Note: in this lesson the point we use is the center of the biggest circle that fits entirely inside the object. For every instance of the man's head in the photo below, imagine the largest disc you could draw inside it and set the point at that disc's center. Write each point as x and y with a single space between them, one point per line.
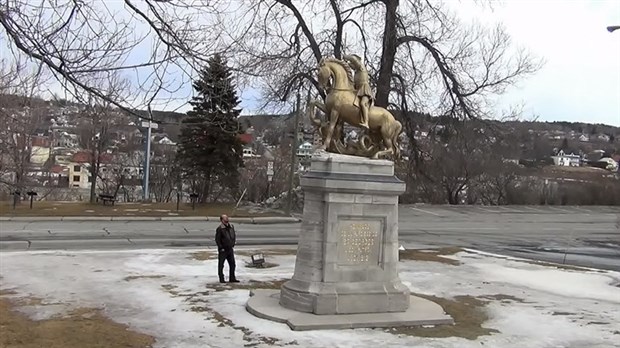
224 219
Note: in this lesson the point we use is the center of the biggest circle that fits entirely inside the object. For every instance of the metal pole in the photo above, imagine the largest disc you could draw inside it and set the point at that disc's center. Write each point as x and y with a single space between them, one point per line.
294 145
147 163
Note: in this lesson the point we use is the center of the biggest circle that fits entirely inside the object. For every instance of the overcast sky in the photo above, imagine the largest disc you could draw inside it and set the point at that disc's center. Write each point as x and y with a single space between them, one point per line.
580 80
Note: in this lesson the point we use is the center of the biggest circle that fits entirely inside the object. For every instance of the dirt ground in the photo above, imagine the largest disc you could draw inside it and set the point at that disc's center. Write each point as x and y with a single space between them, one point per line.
50 208
80 328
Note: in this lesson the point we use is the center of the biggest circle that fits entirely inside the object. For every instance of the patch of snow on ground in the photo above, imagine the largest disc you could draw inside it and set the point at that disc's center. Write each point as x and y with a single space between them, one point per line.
176 304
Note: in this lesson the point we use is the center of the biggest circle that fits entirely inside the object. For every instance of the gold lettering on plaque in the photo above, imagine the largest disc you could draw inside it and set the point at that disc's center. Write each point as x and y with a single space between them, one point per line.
358 239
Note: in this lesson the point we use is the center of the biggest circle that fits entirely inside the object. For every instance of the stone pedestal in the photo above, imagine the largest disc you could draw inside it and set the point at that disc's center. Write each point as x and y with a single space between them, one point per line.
347 257
348 247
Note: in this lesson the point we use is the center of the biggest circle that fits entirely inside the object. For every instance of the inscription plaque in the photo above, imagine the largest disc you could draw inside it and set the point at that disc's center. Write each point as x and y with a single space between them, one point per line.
359 242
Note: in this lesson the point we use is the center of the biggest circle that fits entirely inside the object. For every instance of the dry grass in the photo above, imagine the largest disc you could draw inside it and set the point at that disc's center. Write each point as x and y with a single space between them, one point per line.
468 314
204 255
503 298
128 278
50 208
250 285
81 328
434 255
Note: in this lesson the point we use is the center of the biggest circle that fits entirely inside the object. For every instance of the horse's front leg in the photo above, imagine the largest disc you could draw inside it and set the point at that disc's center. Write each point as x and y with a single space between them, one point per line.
333 119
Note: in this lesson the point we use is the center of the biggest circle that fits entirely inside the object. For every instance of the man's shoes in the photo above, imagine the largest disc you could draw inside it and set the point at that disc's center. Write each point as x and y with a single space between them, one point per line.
222 281
233 281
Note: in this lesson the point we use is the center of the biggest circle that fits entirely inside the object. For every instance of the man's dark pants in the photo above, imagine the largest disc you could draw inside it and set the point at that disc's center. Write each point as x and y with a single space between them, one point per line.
229 256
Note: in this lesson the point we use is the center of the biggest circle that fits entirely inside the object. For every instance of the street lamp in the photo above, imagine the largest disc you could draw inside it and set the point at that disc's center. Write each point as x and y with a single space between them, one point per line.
611 28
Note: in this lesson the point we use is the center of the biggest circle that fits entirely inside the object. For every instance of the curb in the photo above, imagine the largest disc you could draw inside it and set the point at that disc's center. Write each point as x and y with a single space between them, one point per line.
239 220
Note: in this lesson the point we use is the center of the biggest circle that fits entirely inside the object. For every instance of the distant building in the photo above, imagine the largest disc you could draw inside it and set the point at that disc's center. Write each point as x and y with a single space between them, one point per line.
305 150
249 152
567 160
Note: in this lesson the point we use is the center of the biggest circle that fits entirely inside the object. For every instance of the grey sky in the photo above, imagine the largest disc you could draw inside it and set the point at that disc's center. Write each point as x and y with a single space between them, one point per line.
580 80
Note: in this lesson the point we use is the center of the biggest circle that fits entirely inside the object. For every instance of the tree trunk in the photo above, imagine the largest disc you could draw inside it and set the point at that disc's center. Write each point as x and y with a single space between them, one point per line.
94 172
384 82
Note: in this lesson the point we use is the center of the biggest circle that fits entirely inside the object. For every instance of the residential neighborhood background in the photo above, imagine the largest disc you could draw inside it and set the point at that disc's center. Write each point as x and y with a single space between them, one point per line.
50 146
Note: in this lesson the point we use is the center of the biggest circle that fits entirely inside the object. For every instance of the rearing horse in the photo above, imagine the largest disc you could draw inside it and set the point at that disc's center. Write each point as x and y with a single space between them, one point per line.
336 77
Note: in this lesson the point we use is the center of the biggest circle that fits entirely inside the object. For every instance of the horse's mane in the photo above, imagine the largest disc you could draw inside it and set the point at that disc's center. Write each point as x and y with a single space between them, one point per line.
345 66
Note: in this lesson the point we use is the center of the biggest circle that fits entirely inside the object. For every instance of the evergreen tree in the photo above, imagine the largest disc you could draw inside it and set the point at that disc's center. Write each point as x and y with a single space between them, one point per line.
210 151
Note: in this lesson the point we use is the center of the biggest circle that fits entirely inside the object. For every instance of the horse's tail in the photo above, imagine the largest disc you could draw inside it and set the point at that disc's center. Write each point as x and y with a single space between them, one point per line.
398 127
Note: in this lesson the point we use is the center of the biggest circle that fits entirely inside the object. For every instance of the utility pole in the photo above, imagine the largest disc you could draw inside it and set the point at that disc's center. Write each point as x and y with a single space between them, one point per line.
291 175
147 160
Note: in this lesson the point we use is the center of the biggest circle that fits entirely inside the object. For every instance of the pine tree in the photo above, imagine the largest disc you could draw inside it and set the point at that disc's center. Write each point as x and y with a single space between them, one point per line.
210 151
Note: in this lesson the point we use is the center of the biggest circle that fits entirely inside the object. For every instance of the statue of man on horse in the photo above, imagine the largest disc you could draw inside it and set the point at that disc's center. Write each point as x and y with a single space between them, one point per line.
350 100
361 83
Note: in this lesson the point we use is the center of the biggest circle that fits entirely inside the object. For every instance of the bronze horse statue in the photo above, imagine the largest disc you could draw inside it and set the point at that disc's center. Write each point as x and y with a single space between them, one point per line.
336 77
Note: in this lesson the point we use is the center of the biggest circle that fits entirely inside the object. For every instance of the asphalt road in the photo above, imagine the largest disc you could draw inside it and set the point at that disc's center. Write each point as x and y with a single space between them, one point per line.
584 236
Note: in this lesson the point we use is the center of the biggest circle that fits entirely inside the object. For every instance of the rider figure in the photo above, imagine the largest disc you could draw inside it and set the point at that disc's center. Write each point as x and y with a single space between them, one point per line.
364 98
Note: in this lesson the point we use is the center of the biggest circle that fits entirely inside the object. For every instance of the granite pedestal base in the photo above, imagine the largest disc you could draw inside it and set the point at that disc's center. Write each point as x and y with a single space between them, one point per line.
347 253
346 272
265 304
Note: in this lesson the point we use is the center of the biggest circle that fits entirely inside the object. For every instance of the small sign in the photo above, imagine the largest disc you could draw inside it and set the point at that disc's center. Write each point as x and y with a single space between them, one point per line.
270 168
148 124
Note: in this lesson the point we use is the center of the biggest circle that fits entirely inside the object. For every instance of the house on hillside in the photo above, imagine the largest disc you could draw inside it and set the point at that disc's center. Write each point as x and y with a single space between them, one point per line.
79 173
248 152
65 139
607 163
584 138
567 159
126 135
305 150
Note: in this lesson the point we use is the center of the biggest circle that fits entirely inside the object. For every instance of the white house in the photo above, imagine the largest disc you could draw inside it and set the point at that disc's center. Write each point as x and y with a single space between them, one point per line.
568 160
584 138
249 152
305 150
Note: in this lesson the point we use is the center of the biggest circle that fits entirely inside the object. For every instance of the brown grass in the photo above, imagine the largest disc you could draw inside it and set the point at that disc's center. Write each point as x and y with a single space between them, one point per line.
51 208
431 255
468 314
81 328
128 278
204 255
250 285
503 298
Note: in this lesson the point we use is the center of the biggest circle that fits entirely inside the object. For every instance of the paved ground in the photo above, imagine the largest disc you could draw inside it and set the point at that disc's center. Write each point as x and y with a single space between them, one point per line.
585 236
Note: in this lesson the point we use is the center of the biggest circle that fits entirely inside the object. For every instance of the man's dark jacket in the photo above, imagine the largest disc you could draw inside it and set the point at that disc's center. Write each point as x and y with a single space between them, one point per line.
225 237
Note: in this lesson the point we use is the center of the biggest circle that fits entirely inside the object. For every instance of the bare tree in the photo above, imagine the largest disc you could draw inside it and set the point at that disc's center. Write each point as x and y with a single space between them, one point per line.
94 125
165 173
21 114
418 52
76 39
457 158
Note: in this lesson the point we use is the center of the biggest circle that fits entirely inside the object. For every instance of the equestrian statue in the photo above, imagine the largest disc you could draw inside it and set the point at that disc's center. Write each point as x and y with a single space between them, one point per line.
350 100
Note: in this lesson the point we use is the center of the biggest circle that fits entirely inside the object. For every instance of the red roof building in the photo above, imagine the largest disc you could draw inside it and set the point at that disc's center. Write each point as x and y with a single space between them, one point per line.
246 138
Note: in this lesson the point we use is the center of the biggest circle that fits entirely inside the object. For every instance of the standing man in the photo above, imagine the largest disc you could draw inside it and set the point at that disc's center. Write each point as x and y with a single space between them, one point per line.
225 240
